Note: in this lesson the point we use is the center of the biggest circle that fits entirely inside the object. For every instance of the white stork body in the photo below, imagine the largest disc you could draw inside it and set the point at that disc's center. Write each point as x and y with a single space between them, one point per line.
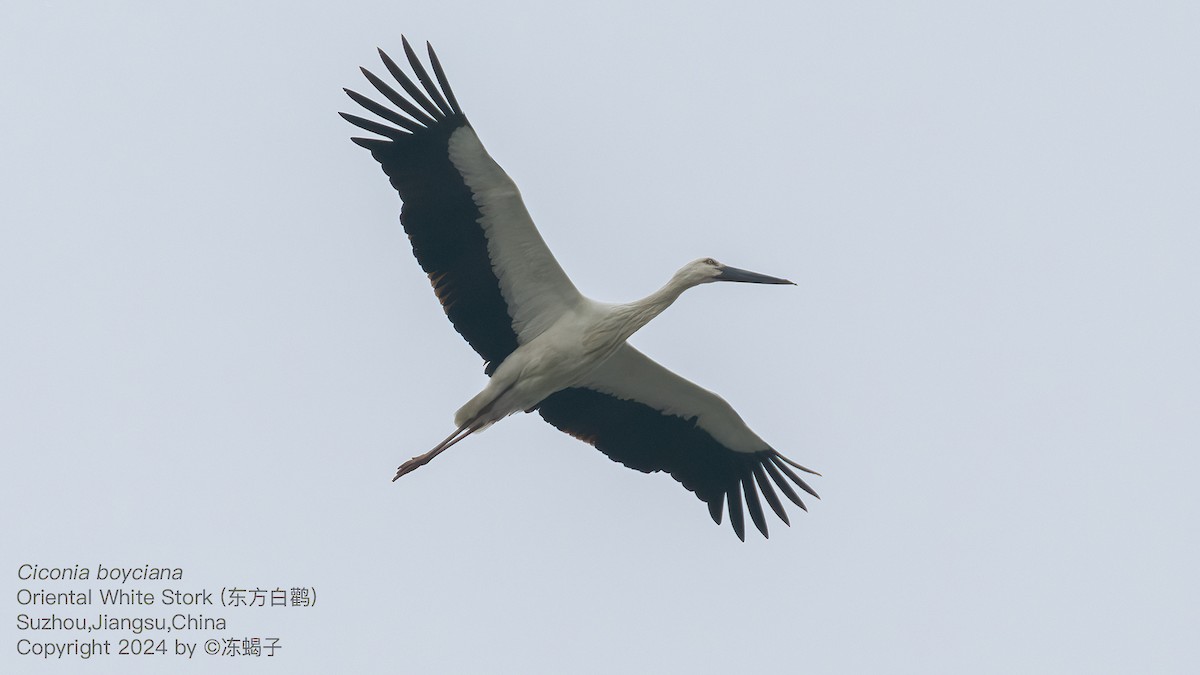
556 359
582 336
546 346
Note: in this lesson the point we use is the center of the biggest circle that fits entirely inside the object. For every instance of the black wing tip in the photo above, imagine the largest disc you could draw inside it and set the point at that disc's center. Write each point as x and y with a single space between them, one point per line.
372 144
782 461
432 101
736 517
805 469
375 127
755 485
768 492
754 505
428 105
715 473
443 81
716 508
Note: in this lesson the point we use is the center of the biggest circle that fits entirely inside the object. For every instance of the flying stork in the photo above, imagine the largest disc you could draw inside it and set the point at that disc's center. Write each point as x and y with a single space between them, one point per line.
546 347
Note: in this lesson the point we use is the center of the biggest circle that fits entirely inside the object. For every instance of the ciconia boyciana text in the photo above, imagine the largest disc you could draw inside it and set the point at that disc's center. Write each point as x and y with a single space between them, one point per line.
546 347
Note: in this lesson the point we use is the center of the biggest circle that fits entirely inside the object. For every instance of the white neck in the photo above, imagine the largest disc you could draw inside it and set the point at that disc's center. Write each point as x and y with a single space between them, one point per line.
625 320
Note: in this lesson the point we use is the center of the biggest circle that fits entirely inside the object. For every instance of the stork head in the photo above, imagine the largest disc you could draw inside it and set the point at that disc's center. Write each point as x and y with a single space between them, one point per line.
707 270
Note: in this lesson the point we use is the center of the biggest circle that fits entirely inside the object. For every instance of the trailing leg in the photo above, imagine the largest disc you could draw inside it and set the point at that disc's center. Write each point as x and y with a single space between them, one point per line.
421 460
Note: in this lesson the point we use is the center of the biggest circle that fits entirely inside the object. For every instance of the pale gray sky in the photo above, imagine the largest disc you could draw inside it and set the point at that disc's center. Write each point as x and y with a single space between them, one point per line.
218 346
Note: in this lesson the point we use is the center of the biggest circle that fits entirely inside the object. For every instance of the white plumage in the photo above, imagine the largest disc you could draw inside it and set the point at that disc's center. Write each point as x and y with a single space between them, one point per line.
546 346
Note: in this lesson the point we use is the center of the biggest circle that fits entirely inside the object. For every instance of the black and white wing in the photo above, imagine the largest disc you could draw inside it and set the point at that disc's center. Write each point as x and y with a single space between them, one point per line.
494 275
650 419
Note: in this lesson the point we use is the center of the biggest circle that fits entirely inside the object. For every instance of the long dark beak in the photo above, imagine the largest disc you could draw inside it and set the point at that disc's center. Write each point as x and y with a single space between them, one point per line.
746 276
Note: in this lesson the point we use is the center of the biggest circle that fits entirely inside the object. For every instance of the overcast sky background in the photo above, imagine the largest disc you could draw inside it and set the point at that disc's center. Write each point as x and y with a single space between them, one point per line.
217 346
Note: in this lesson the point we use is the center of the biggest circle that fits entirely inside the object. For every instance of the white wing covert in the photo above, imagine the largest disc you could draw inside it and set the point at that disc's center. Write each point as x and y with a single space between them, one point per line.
648 418
493 273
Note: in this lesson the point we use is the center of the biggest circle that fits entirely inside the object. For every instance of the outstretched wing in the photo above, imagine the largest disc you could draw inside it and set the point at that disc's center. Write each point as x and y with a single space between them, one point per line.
496 279
650 419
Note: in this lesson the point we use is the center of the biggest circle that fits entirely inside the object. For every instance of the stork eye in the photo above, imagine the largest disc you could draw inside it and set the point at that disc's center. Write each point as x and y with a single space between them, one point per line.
710 261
